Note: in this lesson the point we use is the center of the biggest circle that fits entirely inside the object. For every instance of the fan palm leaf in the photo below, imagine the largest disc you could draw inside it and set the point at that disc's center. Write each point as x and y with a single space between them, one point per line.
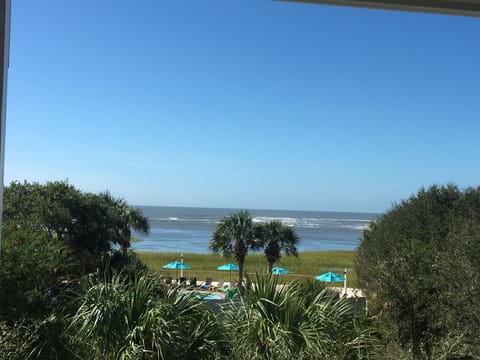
273 321
117 319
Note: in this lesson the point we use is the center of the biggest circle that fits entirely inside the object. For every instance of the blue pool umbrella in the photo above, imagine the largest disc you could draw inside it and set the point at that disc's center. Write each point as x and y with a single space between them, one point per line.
176 265
228 267
330 277
280 271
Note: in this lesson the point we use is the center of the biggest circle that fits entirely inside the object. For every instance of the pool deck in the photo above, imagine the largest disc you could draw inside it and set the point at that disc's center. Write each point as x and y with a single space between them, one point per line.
352 293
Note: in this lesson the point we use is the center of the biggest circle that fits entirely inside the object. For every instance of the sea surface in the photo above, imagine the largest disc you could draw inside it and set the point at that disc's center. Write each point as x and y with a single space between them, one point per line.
183 229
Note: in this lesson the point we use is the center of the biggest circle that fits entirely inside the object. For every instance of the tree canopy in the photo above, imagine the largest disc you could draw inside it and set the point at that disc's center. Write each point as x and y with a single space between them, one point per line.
419 265
54 233
88 224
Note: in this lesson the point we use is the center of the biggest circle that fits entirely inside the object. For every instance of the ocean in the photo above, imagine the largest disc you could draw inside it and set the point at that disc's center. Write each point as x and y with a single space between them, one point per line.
184 229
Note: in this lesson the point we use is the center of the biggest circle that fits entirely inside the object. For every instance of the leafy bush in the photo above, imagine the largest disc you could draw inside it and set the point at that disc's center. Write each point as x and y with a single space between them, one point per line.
419 265
32 274
40 340
116 262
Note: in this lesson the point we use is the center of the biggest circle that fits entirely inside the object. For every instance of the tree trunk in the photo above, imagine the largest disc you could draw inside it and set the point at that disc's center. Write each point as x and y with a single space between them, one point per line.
240 252
416 351
272 254
126 236
240 273
125 246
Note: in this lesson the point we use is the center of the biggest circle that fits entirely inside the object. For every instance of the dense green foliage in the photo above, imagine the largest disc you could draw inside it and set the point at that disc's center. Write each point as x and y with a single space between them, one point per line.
67 294
39 339
419 265
87 224
139 319
32 275
296 322
116 317
54 234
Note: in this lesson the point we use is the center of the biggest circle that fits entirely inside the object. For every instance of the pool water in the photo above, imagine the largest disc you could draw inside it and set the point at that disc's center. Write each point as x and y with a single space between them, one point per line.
209 297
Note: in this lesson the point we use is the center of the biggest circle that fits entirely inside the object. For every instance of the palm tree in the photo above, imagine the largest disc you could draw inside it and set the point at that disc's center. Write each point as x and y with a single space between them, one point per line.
278 237
235 235
126 218
132 218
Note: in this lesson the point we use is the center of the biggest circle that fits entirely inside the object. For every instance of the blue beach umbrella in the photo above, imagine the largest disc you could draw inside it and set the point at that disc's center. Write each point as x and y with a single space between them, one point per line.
228 267
177 265
280 271
330 277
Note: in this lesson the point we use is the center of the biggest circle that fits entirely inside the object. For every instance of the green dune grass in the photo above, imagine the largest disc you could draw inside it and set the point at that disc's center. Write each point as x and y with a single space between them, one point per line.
307 265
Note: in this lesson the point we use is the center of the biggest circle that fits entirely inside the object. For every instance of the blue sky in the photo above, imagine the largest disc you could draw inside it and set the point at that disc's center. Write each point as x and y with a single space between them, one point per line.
243 104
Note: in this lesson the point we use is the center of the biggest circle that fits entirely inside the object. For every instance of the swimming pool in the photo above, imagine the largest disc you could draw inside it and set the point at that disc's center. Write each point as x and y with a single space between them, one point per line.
209 296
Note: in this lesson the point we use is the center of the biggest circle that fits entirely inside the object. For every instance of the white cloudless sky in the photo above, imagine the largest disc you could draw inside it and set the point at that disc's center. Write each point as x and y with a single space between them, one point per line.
242 104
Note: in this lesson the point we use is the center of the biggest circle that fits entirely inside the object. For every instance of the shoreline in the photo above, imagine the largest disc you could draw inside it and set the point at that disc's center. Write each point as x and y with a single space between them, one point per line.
249 253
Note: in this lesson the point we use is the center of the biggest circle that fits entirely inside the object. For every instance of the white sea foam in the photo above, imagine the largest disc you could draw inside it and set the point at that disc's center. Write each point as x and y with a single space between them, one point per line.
354 224
175 229
283 220
355 227
332 220
172 218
